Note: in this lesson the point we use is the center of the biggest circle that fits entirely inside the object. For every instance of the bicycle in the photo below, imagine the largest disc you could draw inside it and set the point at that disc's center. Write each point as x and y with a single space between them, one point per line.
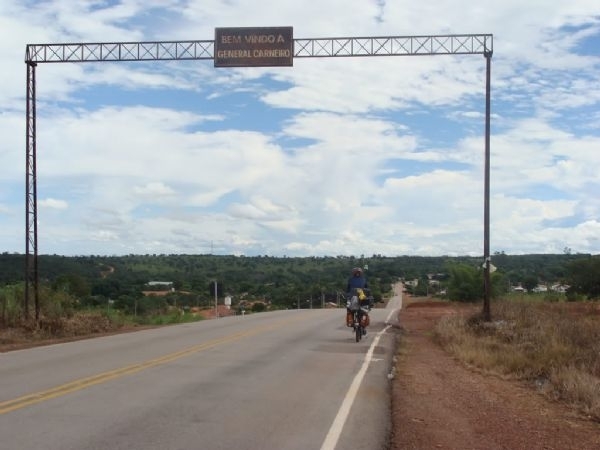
360 313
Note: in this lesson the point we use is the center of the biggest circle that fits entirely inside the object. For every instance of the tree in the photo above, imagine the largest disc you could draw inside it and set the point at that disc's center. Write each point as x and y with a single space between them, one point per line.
584 277
73 284
259 307
530 282
422 288
465 283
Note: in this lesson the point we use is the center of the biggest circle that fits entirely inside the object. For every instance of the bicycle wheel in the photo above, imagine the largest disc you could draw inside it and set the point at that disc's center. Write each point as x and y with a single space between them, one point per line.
358 332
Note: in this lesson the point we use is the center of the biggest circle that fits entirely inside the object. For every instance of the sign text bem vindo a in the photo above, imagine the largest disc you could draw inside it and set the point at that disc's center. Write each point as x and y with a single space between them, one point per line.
254 46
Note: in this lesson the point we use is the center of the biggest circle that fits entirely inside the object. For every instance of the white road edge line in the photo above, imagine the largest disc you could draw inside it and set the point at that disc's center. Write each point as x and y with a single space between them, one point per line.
392 312
340 419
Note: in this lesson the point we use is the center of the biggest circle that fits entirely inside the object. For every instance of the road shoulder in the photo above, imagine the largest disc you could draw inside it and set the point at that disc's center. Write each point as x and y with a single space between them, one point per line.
439 403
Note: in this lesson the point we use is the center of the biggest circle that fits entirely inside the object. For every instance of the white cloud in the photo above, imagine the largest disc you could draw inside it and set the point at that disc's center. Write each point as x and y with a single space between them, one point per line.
53 203
154 190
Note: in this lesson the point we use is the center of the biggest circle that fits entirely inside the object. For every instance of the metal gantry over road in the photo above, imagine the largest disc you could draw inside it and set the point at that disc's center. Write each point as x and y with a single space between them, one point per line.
246 46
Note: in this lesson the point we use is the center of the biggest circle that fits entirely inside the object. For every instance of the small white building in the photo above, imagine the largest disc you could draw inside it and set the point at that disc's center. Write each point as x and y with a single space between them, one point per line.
562 288
413 283
162 285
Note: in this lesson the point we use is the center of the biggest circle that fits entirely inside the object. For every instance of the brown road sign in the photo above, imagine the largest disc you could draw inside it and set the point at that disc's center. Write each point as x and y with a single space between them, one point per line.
254 47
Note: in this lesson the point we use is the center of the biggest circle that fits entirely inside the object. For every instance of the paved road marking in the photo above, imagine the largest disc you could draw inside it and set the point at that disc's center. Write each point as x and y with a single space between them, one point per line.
395 304
340 419
392 313
82 383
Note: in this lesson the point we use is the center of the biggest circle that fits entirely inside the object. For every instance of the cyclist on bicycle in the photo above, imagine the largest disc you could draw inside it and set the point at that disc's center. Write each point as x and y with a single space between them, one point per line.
355 287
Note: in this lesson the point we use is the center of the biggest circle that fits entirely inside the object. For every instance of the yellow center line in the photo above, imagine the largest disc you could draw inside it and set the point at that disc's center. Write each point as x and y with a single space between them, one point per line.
82 383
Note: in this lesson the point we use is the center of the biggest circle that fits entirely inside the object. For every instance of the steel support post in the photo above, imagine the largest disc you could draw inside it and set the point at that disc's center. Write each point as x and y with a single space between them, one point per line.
31 233
486 214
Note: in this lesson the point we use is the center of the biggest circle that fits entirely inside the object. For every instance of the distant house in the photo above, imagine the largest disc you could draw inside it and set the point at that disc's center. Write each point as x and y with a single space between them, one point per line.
540 288
165 284
412 283
518 288
159 286
562 288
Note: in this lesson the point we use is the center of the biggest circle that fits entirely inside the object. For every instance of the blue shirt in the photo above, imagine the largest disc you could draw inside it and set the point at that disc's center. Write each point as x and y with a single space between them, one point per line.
356 282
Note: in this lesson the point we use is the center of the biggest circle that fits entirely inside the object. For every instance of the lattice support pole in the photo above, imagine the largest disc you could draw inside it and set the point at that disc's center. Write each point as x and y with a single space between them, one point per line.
31 234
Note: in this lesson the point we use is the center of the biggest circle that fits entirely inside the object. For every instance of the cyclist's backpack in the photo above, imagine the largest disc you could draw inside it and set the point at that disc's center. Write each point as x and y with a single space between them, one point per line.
361 294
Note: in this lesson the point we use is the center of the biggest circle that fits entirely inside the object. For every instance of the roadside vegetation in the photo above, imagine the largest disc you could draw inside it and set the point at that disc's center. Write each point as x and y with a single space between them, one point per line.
85 295
551 341
63 317
90 295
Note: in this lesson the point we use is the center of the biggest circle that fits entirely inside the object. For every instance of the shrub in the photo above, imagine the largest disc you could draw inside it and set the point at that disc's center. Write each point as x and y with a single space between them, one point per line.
465 284
11 305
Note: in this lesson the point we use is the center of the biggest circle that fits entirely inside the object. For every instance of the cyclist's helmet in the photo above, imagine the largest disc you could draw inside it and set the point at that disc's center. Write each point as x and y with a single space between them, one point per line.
357 272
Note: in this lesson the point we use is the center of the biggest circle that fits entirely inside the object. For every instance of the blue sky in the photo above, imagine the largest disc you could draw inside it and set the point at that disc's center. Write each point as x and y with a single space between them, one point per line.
335 156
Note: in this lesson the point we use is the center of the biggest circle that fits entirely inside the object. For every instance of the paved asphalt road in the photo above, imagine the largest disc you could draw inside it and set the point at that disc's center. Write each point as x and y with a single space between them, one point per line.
281 380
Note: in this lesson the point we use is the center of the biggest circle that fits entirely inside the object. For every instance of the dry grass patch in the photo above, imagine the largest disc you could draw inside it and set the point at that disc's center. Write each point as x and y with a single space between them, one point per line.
56 329
555 346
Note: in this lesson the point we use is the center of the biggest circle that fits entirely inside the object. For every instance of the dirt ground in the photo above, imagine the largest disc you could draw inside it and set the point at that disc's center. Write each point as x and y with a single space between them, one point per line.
438 403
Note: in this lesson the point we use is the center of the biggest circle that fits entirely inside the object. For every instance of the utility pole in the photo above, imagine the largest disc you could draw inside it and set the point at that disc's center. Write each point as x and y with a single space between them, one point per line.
216 302
487 316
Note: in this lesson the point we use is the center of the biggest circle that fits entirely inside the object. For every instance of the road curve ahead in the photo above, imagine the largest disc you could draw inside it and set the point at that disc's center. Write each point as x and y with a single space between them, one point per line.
280 380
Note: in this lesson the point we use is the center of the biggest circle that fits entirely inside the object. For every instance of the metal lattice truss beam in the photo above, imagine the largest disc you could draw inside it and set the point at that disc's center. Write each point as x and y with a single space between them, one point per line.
120 51
395 46
456 44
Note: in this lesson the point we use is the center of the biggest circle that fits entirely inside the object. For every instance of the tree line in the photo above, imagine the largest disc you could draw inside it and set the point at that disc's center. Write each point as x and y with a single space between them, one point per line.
285 282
